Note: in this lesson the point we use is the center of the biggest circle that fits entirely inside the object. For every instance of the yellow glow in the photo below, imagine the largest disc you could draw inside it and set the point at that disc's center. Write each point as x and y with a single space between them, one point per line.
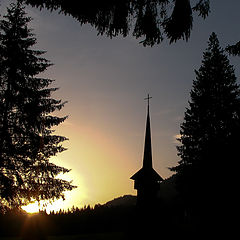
31 208
36 207
100 165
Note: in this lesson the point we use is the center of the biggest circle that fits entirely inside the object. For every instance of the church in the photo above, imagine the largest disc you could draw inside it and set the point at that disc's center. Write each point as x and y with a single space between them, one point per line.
147 180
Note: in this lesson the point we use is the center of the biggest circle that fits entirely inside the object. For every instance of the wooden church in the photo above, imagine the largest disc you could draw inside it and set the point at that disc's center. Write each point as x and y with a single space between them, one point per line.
147 180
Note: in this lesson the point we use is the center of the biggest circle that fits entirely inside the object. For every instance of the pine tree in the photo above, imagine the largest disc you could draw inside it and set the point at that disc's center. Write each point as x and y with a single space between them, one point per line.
27 140
210 132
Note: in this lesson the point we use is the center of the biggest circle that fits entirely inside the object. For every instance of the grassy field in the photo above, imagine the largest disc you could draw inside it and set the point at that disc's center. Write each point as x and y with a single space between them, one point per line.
98 236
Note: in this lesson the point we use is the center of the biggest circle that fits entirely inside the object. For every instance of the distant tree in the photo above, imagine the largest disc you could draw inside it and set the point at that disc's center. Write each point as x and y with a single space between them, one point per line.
26 136
209 141
149 18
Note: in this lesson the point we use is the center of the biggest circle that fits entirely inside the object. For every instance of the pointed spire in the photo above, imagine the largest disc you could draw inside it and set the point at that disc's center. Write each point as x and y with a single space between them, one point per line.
147 158
147 173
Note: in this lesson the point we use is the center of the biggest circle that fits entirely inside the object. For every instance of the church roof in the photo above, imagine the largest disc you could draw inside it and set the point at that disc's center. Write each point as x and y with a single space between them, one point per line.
148 174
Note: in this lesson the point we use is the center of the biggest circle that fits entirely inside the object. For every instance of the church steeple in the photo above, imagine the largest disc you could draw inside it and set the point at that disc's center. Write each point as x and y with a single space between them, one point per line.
147 157
147 180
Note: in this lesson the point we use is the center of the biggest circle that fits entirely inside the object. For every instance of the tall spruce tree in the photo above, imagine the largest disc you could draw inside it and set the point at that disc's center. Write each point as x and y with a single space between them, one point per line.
27 140
210 134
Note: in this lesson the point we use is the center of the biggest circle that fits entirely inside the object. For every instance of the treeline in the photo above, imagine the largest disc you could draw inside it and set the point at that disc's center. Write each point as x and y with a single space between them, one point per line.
73 221
100 218
158 220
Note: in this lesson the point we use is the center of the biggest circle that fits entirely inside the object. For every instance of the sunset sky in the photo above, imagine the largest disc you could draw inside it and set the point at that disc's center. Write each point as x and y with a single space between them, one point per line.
105 82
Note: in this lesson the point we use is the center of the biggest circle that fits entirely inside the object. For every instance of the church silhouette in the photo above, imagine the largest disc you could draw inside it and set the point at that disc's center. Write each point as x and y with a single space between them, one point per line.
147 180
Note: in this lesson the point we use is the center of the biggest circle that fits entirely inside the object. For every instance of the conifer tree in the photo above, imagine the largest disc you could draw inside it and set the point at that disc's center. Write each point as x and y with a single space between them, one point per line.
27 140
210 132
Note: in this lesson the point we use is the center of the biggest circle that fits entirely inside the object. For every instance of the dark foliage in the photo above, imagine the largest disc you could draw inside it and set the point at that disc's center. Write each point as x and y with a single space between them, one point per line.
164 221
180 21
147 19
126 220
26 136
167 220
206 173
75 221
234 49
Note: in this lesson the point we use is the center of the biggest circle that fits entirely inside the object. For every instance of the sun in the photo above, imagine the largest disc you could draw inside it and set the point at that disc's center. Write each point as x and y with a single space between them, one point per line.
31 208
36 207
76 197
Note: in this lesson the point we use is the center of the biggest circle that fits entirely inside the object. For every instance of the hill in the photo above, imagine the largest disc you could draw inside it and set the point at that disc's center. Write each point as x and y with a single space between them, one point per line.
126 201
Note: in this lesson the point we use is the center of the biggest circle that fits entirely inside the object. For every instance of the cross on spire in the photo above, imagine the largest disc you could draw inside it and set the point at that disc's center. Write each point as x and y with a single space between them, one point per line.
148 98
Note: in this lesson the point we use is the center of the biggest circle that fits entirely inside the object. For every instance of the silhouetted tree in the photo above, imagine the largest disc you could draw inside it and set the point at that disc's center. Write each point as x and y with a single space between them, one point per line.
210 136
26 136
150 18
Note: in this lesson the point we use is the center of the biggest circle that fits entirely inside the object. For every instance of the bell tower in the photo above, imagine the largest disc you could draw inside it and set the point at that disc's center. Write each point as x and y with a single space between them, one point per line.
147 180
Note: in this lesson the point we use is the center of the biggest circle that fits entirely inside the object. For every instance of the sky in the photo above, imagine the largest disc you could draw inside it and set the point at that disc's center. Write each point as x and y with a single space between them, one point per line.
105 82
